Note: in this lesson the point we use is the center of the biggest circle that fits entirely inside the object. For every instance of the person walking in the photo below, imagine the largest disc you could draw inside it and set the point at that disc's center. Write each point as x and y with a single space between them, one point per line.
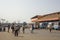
8 27
23 29
4 28
19 27
32 28
50 27
24 25
0 27
16 29
12 28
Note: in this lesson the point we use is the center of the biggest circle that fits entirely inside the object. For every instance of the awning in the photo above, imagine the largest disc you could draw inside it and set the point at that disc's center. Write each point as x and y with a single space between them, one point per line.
48 19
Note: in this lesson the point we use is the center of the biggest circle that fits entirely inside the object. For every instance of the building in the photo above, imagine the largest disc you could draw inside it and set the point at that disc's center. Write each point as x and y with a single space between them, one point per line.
52 17
35 20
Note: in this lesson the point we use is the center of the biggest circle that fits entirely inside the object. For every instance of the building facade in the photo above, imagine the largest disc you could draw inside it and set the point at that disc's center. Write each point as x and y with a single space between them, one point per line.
52 17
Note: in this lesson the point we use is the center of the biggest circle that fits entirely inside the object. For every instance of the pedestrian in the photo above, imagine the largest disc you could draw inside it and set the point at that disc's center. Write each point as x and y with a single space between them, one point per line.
16 29
50 27
4 29
1 27
12 28
32 28
8 27
24 26
23 29
19 27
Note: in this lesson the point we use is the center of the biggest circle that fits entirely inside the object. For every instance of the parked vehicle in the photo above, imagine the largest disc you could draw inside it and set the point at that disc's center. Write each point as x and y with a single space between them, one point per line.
43 25
56 26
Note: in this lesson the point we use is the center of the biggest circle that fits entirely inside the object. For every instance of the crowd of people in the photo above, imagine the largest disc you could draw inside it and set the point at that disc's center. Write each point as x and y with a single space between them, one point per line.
15 28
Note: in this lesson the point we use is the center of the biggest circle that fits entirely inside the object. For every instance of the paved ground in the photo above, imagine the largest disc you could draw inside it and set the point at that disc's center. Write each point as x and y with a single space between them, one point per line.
37 35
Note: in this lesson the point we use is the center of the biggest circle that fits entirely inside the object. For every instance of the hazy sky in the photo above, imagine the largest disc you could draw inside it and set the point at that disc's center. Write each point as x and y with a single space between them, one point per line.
23 10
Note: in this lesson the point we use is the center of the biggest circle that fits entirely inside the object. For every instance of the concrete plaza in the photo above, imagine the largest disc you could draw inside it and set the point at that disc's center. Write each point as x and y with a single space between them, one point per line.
41 34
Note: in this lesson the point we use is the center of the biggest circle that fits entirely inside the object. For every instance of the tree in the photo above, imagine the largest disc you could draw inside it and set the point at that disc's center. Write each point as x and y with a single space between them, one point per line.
24 23
3 20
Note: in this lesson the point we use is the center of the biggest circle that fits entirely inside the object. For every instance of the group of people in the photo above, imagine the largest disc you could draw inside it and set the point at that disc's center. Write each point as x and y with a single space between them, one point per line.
16 28
2 27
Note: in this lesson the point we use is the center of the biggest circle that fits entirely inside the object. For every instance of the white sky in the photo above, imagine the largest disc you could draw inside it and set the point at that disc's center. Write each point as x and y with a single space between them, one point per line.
23 10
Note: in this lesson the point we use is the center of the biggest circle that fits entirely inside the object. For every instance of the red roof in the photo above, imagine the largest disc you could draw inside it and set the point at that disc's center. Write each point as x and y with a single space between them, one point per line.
48 17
